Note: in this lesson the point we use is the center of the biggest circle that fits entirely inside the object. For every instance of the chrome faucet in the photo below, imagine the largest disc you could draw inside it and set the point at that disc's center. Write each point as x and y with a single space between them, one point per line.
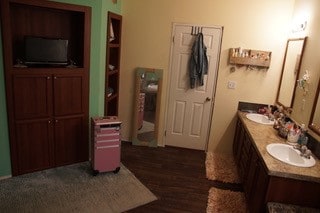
304 151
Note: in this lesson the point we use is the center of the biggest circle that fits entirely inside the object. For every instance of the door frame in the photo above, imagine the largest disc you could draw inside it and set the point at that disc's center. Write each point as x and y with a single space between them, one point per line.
174 25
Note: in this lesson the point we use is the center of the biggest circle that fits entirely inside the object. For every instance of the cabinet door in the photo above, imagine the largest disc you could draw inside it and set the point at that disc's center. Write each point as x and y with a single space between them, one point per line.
68 95
238 141
258 197
256 183
251 173
71 141
34 145
32 95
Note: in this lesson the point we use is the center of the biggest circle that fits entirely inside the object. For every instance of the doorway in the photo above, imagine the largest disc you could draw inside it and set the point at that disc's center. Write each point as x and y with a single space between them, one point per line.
189 110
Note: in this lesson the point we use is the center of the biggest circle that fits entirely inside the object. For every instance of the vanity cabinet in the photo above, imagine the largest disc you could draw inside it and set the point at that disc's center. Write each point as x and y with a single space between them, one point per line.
262 185
250 168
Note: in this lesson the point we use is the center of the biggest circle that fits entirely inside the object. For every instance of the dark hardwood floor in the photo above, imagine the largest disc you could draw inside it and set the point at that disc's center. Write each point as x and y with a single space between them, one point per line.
176 176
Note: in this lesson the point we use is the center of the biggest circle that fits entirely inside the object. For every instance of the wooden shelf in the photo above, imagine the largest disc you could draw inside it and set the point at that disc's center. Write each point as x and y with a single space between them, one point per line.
113 58
113 72
111 45
249 57
112 97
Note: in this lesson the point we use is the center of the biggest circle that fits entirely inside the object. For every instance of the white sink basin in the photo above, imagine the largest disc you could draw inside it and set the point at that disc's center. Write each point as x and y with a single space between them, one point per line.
289 155
258 118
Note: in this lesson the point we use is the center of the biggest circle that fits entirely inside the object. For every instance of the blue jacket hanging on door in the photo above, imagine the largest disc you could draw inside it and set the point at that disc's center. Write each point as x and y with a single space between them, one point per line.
198 64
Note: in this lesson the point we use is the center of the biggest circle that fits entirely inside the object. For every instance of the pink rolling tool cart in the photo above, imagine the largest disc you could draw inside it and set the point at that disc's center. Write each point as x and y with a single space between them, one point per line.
106 144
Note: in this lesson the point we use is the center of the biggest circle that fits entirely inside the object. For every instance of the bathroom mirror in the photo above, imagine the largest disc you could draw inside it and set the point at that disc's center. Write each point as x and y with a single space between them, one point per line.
314 123
148 84
290 71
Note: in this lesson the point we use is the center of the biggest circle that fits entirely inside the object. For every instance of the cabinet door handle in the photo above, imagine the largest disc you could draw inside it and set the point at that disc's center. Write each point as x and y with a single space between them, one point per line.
55 77
56 121
48 77
49 121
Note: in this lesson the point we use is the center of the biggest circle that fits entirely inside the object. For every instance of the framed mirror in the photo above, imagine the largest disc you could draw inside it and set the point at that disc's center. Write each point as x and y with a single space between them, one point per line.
290 71
314 123
148 87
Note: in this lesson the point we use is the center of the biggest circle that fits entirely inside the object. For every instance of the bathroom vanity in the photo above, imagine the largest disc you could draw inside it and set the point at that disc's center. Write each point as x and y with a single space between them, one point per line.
266 179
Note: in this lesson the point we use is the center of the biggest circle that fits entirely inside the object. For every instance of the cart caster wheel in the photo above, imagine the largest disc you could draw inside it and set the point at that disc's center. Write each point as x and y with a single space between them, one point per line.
117 170
95 172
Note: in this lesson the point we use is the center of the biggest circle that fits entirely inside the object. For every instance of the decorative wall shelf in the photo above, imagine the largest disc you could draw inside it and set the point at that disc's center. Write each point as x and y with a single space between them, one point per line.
247 57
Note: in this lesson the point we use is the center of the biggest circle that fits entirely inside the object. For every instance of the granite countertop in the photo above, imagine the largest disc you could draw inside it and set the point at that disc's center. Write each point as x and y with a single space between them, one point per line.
262 135
280 207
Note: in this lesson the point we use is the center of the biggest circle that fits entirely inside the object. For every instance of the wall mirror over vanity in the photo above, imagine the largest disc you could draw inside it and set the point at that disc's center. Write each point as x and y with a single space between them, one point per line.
289 81
148 87
290 71
314 123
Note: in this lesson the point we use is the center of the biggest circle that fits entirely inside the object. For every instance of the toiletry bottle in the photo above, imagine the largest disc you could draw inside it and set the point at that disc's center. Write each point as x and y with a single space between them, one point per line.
303 138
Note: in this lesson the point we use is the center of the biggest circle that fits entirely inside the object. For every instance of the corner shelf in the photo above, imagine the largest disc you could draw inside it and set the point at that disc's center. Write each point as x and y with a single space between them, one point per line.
113 49
247 57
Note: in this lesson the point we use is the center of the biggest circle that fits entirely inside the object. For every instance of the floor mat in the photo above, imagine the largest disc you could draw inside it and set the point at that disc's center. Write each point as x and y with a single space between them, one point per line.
226 201
221 167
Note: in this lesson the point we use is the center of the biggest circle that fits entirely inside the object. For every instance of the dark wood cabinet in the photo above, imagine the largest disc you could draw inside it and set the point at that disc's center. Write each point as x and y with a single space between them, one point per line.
113 53
33 153
68 94
32 96
48 105
259 186
71 143
251 171
256 183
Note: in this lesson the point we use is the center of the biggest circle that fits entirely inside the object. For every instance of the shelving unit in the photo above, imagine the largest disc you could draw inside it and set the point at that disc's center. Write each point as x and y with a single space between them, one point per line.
113 64
247 57
48 105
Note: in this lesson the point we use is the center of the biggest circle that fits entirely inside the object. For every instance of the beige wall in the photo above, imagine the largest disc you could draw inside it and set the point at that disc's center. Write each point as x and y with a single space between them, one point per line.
310 11
252 24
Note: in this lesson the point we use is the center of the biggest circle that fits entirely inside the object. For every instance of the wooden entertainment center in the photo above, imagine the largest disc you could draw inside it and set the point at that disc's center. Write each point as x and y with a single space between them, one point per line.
47 106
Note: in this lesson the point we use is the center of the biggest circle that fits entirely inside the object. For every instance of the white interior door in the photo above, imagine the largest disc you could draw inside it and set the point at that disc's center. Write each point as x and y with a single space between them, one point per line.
189 110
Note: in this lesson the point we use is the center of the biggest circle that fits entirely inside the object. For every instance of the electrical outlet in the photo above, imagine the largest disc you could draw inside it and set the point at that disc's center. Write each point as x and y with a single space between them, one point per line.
232 84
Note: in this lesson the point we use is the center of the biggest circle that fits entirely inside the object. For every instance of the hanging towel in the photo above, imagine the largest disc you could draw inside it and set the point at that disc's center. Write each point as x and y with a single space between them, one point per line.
198 63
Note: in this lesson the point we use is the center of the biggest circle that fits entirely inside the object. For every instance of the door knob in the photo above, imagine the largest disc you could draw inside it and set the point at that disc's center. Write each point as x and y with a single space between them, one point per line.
208 99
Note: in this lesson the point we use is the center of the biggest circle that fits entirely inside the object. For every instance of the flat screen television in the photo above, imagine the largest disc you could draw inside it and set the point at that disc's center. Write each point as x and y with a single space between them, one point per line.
45 51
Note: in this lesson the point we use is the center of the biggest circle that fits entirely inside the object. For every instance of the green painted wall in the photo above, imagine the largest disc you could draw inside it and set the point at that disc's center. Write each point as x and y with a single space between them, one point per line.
97 72
5 165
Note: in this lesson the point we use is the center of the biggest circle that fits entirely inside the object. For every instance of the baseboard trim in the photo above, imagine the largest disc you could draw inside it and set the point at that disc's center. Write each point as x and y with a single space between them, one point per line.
5 177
